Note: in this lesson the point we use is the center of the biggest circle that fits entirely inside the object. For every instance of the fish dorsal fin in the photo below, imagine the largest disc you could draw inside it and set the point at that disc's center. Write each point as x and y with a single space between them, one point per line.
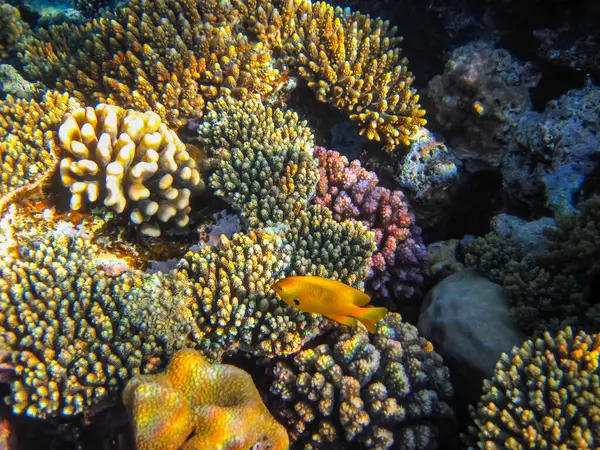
358 298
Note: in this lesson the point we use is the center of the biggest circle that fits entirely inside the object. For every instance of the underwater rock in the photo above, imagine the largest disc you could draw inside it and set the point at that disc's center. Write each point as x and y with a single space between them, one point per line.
477 100
529 235
467 317
557 150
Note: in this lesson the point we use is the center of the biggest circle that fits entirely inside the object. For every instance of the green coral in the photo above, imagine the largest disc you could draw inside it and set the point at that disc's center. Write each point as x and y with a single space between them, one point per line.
372 390
263 155
547 395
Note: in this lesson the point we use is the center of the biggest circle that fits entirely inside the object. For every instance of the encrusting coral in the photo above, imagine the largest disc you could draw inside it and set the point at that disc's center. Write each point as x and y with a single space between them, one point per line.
372 390
263 157
164 56
27 148
348 59
546 395
398 266
198 406
131 161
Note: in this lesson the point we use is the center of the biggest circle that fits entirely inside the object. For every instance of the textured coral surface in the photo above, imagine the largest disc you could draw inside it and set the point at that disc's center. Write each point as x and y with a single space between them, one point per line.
397 268
546 395
373 390
198 406
131 161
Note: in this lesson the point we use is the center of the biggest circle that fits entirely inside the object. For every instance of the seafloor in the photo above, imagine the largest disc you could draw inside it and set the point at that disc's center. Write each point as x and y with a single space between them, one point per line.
163 163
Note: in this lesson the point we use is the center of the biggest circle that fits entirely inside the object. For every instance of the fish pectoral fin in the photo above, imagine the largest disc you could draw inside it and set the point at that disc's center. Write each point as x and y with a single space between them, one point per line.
344 320
359 298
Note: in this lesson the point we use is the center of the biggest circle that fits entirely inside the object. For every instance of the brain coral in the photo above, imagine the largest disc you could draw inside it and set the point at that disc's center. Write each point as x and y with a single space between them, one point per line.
27 150
198 406
265 167
398 266
547 395
371 390
165 56
131 161
348 59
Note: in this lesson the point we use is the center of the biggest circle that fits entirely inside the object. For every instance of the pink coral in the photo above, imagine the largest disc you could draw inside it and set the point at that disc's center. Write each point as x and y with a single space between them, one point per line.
352 192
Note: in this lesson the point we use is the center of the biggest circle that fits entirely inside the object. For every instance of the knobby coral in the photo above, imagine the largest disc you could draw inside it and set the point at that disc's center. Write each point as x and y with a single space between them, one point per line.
164 56
348 59
12 28
27 148
398 266
132 162
372 390
263 158
547 395
69 343
197 405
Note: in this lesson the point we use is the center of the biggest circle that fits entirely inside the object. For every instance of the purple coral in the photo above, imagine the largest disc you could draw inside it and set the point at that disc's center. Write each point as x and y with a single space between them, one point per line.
397 267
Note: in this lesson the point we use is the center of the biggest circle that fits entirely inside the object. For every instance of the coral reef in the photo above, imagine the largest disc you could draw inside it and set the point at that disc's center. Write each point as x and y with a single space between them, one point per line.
27 149
198 405
546 395
263 158
349 60
372 391
78 326
70 346
165 56
477 101
12 28
131 162
398 266
551 288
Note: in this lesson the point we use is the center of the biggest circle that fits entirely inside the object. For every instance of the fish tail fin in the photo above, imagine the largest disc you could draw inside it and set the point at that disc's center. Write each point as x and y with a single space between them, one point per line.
370 316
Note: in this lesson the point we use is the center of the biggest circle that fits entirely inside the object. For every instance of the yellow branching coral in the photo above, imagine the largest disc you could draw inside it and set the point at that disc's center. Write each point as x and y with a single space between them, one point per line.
164 56
263 155
131 161
27 149
70 344
198 406
349 60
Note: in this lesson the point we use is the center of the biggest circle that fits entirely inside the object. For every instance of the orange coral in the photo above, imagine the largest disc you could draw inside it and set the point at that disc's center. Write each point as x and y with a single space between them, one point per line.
198 405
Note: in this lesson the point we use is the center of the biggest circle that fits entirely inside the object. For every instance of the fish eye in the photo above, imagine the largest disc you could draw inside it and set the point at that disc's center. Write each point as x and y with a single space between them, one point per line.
296 302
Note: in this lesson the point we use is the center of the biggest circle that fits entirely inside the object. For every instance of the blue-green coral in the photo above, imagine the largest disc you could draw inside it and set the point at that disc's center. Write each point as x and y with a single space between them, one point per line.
546 395
378 390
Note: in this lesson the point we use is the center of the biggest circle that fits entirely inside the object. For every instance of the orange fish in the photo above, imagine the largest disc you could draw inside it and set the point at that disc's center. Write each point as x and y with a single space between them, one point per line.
330 298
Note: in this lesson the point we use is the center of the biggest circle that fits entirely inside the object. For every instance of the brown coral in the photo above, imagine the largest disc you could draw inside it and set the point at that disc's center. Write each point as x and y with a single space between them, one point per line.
348 59
198 406
131 161
27 148
164 56
12 28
